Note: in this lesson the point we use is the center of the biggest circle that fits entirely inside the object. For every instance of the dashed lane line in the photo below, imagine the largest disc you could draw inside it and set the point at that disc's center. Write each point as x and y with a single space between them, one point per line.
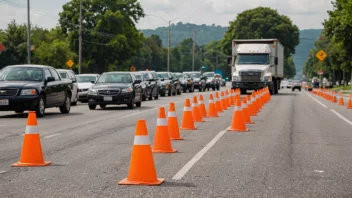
53 135
198 156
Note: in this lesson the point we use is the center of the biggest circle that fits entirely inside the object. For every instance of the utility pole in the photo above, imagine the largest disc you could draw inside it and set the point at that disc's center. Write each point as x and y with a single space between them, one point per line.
28 33
168 49
80 38
194 48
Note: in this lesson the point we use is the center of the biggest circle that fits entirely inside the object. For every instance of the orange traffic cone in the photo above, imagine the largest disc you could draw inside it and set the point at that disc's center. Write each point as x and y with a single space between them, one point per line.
341 101
162 142
195 111
349 105
142 170
172 123
238 123
227 99
255 102
246 112
187 118
250 106
32 154
222 101
232 98
202 109
218 103
212 109
238 95
334 99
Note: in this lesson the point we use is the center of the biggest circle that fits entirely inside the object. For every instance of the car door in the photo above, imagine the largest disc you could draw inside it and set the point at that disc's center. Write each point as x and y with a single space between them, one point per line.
75 85
138 90
58 88
148 85
153 84
48 88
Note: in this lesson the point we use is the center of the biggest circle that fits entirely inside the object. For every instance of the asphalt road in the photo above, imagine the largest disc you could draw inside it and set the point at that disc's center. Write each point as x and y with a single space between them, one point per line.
299 146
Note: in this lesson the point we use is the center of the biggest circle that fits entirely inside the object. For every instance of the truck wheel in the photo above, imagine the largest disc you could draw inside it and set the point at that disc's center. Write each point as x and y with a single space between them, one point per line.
102 106
65 108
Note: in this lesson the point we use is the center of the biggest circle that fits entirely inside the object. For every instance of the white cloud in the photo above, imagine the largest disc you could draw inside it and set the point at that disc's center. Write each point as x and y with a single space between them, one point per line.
304 13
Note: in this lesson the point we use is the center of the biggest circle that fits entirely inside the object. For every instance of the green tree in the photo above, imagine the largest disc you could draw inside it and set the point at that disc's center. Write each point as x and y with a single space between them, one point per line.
110 37
261 23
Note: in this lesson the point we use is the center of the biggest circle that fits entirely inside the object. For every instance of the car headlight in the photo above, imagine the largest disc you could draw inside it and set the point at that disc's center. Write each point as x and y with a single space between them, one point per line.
92 92
236 78
28 92
127 90
267 78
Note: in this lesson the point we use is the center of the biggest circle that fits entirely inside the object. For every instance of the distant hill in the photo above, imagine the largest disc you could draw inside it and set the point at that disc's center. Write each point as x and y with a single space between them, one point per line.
307 39
181 31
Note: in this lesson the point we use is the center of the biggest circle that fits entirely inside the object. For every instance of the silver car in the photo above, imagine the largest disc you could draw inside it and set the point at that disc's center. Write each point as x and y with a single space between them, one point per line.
85 81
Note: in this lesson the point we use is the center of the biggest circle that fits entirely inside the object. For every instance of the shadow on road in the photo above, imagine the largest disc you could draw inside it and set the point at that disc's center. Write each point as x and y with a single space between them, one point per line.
50 115
114 108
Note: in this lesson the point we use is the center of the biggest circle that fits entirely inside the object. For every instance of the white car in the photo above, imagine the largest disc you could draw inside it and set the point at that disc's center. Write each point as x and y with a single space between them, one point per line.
283 84
70 75
85 81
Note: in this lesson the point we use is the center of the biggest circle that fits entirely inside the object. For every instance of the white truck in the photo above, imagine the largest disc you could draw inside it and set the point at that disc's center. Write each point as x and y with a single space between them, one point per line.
257 63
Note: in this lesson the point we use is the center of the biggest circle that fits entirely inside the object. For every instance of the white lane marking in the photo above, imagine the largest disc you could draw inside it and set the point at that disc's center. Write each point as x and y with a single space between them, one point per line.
53 135
342 117
318 171
2 172
198 156
317 100
2 125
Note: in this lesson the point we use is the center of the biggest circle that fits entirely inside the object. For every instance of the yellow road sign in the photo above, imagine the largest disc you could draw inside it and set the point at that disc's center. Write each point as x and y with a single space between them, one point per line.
70 63
321 55
132 68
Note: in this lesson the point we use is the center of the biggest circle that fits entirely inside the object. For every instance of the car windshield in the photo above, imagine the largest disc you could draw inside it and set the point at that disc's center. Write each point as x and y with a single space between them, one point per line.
21 74
163 75
83 79
63 75
179 75
187 75
196 75
209 74
253 59
138 77
115 78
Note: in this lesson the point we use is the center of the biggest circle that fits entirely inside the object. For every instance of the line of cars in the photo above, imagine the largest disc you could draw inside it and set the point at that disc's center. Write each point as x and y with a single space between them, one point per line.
38 87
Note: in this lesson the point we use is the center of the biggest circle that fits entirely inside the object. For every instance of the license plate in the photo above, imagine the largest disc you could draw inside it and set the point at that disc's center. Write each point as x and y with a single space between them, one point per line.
107 98
4 102
167 86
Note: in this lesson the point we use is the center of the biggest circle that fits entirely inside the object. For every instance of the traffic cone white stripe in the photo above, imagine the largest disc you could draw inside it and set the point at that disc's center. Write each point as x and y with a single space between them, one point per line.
141 140
194 104
161 122
200 102
244 105
31 130
187 109
171 114
238 108
211 101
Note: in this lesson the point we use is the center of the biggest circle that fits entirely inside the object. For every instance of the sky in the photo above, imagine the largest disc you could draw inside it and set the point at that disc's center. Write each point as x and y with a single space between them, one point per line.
306 14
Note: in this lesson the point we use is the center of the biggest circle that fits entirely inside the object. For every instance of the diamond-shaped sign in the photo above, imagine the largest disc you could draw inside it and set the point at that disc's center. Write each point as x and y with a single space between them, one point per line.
70 63
132 68
321 55
2 47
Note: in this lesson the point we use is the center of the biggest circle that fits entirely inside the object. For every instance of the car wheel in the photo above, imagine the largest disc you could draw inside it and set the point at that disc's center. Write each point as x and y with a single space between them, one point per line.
73 103
65 108
299 89
131 104
19 112
40 109
92 106
169 93
102 106
144 97
139 104
157 94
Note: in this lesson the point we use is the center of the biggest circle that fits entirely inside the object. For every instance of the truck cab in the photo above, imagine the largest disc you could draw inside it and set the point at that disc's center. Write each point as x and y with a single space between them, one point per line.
257 64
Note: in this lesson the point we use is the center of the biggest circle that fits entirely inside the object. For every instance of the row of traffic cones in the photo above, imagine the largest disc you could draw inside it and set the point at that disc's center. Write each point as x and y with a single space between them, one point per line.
332 97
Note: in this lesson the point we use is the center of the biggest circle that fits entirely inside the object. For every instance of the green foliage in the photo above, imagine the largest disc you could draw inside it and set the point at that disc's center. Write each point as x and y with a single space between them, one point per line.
109 28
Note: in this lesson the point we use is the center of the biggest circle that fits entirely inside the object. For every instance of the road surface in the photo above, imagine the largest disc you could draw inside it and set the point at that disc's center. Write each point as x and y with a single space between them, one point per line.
299 146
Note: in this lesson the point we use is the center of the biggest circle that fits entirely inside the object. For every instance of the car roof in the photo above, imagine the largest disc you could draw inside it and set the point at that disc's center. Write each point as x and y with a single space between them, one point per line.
87 75
117 72
162 72
31 65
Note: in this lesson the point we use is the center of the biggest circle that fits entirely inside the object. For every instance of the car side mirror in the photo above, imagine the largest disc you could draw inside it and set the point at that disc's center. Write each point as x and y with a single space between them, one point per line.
74 80
137 81
162 79
93 82
50 79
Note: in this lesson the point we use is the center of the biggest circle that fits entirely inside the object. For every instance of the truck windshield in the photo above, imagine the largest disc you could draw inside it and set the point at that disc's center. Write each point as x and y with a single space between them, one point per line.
21 74
253 59
115 78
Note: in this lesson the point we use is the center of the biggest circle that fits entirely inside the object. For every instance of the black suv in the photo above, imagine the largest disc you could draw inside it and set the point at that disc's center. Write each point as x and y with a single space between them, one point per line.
169 84
296 84
34 88
146 88
115 88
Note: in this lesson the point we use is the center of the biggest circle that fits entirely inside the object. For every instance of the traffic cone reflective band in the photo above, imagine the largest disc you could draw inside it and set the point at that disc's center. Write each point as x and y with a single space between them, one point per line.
349 105
212 109
238 95
202 109
142 170
238 123
251 108
222 101
255 102
187 118
246 113
218 103
162 142
172 123
232 101
341 102
195 110
31 154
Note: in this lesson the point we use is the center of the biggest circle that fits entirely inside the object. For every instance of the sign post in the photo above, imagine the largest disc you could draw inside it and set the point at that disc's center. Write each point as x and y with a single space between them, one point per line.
321 55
